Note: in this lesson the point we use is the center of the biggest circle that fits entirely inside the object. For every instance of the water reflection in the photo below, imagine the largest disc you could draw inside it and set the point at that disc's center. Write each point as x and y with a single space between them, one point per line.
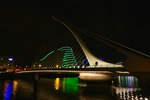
67 85
57 83
128 89
15 88
10 89
70 85
79 90
130 94
127 81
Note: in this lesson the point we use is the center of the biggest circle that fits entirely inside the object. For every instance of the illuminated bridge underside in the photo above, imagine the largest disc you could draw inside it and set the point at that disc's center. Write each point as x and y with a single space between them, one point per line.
93 60
88 75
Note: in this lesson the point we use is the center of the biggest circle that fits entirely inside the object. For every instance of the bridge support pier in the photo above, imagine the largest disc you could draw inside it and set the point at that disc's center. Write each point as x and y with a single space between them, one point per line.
35 83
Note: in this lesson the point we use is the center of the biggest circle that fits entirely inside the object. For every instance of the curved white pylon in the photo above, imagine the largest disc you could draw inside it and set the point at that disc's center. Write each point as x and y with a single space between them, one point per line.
90 57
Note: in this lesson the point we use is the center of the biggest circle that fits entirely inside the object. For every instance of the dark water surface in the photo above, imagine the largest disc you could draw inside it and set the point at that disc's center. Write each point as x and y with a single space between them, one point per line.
71 88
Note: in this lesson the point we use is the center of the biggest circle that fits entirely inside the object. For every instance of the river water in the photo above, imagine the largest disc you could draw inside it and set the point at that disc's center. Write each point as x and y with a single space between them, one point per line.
71 88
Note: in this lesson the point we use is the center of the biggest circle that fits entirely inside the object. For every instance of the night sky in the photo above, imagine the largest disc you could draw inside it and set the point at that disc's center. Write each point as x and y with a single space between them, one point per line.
26 25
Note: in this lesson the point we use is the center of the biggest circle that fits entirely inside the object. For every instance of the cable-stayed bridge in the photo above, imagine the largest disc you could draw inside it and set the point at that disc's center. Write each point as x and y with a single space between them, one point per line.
69 57
80 59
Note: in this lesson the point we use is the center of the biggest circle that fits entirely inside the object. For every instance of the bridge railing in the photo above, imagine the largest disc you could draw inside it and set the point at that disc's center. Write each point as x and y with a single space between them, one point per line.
105 66
80 67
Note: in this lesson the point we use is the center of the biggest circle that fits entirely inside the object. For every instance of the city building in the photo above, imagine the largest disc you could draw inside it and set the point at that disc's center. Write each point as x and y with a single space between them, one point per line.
6 64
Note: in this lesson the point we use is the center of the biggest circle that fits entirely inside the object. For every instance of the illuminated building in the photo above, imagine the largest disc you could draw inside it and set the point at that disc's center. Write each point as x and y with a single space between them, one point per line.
69 59
6 64
64 58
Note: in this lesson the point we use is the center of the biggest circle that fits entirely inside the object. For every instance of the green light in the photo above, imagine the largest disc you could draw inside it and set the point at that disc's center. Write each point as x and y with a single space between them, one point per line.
68 58
70 85
46 55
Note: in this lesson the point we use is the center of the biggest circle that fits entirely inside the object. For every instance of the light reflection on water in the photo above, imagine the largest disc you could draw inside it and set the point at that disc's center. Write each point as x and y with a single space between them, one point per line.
67 85
127 81
126 88
10 89
57 83
70 85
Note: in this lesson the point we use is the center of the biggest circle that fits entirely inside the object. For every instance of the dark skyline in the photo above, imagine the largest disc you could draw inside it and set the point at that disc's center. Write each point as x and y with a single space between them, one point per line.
27 26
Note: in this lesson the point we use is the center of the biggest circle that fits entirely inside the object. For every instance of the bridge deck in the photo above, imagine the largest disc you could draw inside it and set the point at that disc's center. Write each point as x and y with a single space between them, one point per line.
117 71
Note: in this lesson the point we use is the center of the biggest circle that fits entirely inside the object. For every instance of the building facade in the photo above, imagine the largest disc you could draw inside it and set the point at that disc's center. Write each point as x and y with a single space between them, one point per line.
6 64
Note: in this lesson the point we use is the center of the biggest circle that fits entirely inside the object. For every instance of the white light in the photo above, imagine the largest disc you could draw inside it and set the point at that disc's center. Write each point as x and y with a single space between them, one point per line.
10 59
146 98
95 76
123 72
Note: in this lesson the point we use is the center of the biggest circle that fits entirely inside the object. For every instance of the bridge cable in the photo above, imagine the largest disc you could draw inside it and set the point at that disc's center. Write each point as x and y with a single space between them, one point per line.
98 37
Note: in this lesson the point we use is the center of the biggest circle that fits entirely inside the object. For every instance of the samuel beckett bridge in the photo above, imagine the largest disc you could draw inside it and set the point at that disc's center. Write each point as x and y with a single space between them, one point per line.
72 59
